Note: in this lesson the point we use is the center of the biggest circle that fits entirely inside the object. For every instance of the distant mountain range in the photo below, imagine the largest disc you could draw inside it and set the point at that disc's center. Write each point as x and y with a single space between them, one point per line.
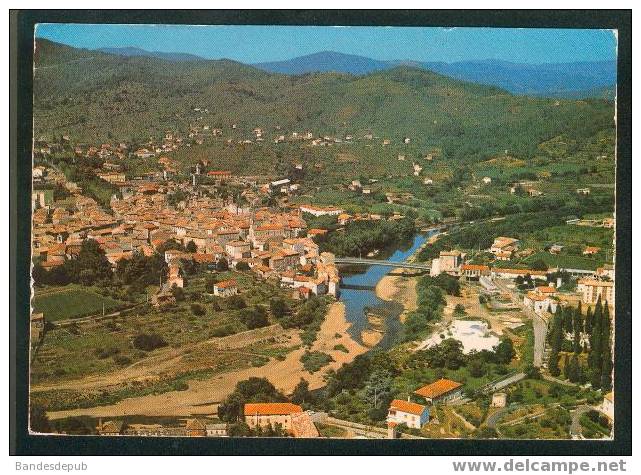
551 79
563 80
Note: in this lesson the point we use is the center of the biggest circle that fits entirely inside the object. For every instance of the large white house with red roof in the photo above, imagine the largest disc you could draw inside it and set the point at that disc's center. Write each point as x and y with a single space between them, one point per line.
410 413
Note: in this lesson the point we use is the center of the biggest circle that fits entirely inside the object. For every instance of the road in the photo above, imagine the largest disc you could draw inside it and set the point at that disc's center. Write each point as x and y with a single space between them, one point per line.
575 428
494 418
539 324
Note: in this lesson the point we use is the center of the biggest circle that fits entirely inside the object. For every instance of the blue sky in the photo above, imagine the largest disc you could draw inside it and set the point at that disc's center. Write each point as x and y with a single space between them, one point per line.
250 44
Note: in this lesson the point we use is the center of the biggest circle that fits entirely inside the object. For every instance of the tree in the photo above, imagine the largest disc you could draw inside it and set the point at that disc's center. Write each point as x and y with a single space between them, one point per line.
278 307
301 393
238 429
606 351
588 321
254 318
504 351
210 281
459 310
578 329
476 367
169 245
249 390
178 293
378 386
222 265
38 420
242 266
566 367
568 317
198 309
90 265
236 302
191 247
539 264
148 342
595 357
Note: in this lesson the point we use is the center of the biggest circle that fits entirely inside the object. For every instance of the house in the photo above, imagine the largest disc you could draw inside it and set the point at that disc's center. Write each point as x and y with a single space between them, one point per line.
265 414
512 274
237 249
556 248
592 289
440 391
474 271
605 272
487 180
110 427
219 174
499 400
583 191
316 232
225 288
216 430
607 407
448 262
320 210
410 413
196 428
503 248
539 302
591 250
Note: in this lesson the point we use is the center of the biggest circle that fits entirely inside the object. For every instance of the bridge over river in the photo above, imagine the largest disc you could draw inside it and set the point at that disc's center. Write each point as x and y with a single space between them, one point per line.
380 262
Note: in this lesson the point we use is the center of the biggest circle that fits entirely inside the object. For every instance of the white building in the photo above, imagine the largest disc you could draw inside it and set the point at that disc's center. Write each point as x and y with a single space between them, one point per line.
225 288
410 413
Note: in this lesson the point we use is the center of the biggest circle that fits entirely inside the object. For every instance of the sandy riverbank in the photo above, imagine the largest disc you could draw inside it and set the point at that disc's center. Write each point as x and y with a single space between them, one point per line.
401 289
203 396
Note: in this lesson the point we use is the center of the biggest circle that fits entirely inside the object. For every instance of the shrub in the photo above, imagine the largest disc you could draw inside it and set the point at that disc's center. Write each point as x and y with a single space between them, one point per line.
121 360
236 302
315 360
242 266
223 331
148 342
104 353
197 309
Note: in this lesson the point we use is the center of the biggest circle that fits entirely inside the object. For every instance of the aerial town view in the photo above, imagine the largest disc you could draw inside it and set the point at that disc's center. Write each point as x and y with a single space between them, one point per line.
303 241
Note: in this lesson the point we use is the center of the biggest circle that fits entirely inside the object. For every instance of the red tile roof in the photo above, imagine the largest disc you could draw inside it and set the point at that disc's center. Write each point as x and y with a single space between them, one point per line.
271 408
438 388
465 267
225 284
406 406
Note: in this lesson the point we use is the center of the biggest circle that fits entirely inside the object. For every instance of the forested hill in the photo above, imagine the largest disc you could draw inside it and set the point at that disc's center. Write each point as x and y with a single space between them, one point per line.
95 96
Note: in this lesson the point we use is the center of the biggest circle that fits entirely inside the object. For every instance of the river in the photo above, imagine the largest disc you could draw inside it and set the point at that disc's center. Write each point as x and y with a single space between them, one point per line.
358 301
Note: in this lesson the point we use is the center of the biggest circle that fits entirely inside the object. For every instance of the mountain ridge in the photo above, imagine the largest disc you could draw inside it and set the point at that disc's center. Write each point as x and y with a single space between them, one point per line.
97 97
578 79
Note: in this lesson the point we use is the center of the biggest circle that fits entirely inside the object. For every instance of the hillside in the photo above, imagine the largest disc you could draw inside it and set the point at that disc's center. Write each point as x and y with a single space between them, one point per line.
96 96
132 51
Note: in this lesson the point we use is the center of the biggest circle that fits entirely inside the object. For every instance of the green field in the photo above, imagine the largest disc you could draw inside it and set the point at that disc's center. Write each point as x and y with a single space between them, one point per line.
72 302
